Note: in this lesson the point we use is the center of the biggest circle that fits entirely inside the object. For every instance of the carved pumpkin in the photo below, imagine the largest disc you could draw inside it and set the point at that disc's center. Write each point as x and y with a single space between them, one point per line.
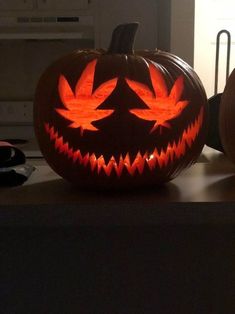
226 118
118 119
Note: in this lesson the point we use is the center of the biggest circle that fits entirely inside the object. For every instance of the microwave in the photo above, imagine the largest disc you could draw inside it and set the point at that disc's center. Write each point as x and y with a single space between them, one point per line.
34 33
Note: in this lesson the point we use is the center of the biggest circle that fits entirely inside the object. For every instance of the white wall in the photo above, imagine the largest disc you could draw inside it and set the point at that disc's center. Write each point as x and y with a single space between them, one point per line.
111 13
182 29
211 16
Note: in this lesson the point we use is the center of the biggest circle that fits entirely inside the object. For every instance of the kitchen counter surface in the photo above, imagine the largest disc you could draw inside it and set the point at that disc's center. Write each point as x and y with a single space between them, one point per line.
204 193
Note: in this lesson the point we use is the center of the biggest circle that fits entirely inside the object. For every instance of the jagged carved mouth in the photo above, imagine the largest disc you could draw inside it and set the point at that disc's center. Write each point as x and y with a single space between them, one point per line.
152 160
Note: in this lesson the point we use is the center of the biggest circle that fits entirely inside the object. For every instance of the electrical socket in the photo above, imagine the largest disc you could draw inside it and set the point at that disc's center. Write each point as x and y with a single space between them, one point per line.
16 113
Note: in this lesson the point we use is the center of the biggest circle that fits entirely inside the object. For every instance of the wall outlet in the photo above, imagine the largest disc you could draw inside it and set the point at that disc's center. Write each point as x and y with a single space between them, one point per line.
16 113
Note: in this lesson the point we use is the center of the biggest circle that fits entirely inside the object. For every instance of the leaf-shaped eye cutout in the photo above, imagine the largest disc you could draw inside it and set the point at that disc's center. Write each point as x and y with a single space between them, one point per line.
81 106
162 106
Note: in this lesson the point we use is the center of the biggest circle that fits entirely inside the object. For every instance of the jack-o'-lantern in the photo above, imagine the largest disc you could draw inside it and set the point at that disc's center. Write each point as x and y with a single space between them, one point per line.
117 118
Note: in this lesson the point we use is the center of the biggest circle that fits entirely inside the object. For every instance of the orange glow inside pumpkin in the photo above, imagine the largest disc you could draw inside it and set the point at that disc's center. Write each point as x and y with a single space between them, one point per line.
80 107
151 159
162 107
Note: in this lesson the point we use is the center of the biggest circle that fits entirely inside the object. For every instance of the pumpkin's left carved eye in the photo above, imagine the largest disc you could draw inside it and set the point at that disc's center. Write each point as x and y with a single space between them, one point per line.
162 107
80 108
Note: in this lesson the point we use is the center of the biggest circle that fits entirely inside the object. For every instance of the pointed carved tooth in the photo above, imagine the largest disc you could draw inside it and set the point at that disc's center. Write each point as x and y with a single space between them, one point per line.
77 156
70 153
156 153
146 156
166 159
139 162
59 142
85 159
52 133
180 149
100 163
138 155
151 160
113 160
140 166
189 141
160 160
170 151
64 148
174 149
93 162
119 166
152 163
127 160
130 167
163 159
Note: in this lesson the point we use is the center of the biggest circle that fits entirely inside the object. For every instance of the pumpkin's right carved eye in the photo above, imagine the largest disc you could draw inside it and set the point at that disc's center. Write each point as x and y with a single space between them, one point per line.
162 107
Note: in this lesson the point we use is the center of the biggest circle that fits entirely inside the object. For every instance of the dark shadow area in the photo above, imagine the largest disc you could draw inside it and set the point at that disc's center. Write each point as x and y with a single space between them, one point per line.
221 189
127 270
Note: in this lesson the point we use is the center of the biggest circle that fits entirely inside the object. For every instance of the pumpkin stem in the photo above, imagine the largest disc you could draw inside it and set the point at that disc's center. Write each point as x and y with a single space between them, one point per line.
123 38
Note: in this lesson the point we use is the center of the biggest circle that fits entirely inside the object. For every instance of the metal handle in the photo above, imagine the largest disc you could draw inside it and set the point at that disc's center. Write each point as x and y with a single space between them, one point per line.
223 31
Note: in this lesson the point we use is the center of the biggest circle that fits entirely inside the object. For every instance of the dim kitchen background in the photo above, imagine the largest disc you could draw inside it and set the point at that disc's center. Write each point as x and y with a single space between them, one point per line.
33 33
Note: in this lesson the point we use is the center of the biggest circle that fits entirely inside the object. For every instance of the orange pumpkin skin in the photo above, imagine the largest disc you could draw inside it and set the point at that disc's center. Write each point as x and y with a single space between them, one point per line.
226 118
118 119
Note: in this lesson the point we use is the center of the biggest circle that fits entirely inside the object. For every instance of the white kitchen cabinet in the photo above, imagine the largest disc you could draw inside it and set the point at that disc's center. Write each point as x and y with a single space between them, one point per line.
62 4
16 5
